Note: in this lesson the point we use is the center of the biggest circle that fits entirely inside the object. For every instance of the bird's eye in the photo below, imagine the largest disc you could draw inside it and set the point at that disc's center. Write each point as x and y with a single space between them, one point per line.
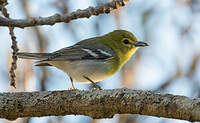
126 41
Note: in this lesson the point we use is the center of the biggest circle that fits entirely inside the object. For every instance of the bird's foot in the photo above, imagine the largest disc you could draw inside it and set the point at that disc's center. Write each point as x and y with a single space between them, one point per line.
72 87
94 86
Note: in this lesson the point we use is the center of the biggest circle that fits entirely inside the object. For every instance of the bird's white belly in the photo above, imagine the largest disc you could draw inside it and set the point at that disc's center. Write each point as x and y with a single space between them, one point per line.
95 70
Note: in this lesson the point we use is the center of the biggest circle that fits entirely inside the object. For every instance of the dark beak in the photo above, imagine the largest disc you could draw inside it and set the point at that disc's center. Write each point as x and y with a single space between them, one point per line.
141 44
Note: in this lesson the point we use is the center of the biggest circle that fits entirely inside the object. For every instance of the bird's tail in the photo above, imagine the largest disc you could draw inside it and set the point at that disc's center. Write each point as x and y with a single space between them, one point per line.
36 56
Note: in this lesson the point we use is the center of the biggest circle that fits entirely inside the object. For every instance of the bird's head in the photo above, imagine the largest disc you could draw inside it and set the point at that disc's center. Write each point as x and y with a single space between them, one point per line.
124 43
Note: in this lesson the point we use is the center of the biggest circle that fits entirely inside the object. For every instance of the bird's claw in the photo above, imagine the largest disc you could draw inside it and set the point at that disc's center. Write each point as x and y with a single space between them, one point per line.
95 86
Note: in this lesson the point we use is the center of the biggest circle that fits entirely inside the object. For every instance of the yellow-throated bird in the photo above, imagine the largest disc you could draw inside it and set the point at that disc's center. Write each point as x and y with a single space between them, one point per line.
93 59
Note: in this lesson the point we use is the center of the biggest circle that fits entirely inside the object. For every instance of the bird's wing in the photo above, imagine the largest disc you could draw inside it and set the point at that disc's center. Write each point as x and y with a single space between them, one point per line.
78 52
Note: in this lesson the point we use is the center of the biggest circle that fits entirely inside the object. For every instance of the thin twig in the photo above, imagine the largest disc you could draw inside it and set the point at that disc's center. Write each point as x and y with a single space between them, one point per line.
14 48
56 18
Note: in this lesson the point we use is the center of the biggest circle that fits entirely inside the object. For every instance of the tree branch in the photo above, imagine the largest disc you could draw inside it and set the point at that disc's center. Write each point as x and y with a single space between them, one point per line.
98 104
56 18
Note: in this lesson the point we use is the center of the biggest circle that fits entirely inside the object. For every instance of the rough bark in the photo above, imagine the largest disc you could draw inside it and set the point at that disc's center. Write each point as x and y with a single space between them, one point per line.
56 18
98 104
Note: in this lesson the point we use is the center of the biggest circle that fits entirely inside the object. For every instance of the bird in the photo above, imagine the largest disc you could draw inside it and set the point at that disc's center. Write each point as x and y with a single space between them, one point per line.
93 59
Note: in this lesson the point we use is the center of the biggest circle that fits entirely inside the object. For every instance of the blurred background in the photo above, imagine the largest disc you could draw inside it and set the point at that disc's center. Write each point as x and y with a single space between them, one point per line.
171 64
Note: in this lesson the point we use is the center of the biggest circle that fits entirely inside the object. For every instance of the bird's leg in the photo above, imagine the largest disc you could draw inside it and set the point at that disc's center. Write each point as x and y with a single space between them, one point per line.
72 88
94 85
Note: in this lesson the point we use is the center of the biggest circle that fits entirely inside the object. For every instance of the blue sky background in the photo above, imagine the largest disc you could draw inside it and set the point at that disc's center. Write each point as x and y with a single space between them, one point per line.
171 27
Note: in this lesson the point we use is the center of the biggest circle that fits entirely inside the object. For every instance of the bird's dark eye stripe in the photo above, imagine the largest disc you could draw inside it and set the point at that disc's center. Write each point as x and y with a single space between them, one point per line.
126 41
